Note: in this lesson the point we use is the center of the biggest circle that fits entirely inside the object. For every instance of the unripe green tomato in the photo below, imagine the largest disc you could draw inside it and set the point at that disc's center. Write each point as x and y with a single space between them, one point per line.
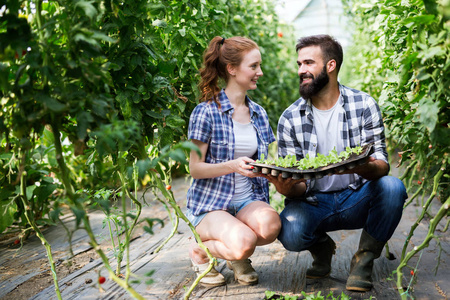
237 18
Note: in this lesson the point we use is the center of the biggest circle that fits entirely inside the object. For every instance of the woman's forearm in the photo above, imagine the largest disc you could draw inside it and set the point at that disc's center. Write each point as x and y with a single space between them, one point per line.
202 170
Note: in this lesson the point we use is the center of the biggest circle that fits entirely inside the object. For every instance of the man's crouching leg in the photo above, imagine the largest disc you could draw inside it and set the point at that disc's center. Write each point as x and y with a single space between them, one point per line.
369 249
384 216
298 226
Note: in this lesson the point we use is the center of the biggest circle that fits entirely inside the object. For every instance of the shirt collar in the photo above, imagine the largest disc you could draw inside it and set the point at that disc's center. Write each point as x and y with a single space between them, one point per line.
226 106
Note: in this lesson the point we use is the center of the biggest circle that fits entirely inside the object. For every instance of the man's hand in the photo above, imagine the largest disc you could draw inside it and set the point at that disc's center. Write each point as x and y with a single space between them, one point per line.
372 169
288 187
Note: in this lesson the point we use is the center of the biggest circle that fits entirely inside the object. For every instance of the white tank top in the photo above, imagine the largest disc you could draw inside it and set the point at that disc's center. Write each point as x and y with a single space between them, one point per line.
329 137
245 144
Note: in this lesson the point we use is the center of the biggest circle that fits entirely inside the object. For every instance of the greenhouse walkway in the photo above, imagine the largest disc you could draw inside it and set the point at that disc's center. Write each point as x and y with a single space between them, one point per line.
25 274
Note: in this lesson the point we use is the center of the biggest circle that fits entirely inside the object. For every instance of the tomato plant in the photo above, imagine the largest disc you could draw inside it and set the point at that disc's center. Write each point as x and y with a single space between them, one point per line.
97 94
403 60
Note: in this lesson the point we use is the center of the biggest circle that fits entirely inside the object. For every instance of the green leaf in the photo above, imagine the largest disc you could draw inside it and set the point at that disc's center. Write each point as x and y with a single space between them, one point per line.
422 19
51 103
159 82
154 114
103 37
427 113
156 8
178 155
105 205
54 214
142 167
151 222
30 190
174 121
4 71
7 210
83 37
87 7
44 191
192 146
168 66
160 23
83 124
79 214
182 31
432 52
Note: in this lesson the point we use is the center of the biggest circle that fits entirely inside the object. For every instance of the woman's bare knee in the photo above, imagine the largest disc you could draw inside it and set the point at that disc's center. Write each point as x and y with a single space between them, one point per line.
244 245
271 230
263 220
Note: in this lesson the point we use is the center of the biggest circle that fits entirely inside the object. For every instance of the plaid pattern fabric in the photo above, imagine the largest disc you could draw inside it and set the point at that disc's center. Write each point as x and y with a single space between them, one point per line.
361 124
214 126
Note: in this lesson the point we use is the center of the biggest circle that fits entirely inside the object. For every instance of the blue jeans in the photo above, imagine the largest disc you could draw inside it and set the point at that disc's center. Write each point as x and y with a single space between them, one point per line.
376 206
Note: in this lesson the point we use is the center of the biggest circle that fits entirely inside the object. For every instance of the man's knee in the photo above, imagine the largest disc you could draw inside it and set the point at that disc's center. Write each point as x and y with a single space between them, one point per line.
292 235
395 191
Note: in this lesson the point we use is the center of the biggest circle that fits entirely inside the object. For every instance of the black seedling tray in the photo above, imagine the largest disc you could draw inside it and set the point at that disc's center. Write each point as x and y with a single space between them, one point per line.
317 173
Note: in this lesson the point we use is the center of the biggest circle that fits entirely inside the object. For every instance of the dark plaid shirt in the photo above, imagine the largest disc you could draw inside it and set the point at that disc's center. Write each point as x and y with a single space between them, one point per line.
361 123
214 126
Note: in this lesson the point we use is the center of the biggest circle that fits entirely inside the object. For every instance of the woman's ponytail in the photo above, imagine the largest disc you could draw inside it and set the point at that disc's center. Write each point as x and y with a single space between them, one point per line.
220 53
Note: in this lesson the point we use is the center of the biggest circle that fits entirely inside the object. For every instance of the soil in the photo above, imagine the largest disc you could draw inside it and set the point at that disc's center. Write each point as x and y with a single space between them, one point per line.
64 265
37 283
24 270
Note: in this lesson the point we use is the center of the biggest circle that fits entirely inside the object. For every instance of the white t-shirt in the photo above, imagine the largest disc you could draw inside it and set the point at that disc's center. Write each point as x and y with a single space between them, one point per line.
245 144
329 137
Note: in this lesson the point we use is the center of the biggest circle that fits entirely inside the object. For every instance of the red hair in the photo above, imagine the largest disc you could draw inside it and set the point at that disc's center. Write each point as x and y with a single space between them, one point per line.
220 53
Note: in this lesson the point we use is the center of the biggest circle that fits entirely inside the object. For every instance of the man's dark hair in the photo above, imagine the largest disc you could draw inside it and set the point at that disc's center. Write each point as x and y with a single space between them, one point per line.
331 49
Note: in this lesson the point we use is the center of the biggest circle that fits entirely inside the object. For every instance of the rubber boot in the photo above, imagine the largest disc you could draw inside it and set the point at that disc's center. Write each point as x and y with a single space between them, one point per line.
322 252
360 278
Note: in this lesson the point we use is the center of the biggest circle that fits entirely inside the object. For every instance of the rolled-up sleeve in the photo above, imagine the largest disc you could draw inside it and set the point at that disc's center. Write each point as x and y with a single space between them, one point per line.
200 124
373 129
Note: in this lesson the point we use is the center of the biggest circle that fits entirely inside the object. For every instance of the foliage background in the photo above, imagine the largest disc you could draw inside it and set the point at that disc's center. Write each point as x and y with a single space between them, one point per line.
402 58
115 82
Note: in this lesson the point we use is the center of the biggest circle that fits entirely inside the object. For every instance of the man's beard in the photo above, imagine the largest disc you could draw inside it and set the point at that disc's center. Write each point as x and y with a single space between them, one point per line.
316 85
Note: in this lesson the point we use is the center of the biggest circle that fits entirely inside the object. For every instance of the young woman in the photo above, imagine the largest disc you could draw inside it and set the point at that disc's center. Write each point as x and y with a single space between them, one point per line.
227 202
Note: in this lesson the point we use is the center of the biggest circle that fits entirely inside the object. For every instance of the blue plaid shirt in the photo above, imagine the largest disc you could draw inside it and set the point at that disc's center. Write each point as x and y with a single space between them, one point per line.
214 126
361 124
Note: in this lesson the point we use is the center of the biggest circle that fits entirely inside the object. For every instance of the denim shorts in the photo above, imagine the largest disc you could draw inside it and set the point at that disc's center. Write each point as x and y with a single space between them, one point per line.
233 208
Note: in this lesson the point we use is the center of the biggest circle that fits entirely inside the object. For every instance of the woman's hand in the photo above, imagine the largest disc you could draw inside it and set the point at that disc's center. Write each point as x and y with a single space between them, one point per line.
200 170
241 165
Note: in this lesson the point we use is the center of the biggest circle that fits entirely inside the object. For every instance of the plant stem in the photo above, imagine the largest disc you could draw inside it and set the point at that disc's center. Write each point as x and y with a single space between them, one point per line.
174 230
69 235
129 232
28 214
432 227
180 214
87 226
413 196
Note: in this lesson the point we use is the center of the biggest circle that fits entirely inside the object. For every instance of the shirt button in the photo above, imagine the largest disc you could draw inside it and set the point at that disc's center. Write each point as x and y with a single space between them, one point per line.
314 145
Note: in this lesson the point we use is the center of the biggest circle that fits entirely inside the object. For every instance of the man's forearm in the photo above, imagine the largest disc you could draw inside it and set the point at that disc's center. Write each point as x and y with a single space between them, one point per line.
373 170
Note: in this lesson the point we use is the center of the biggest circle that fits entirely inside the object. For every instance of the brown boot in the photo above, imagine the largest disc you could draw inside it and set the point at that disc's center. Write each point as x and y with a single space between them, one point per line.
243 271
322 252
212 278
360 278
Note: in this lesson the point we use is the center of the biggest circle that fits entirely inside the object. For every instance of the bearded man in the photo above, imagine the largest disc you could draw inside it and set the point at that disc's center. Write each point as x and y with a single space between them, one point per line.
332 116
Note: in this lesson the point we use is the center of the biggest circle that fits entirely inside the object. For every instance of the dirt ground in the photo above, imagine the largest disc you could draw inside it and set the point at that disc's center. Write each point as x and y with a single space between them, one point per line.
15 265
25 274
